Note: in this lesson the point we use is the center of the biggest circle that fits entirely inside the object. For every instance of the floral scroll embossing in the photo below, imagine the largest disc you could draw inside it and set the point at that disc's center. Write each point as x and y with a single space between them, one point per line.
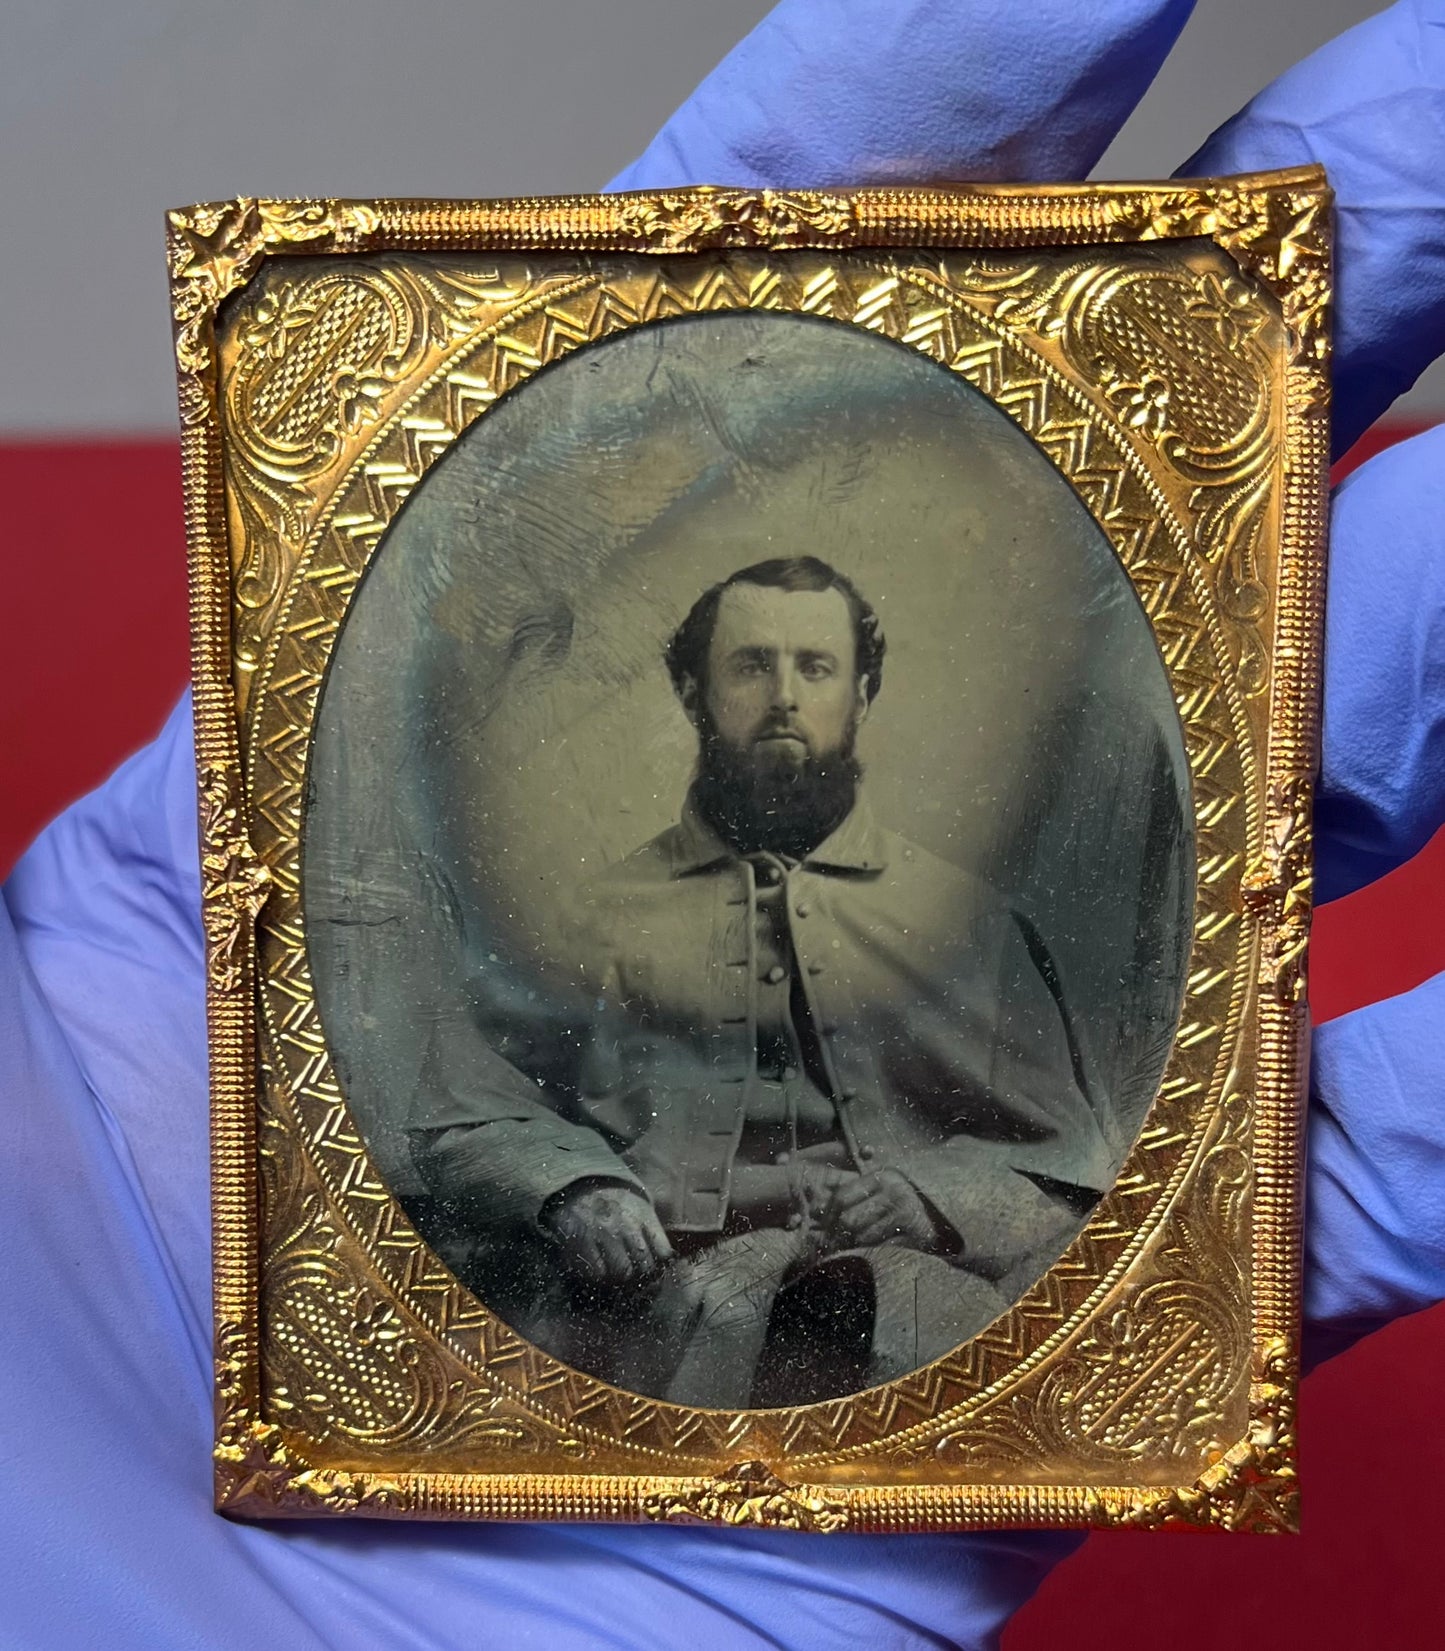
748 1494
1277 235
216 247
235 885
1254 1485
256 1470
736 218
1279 888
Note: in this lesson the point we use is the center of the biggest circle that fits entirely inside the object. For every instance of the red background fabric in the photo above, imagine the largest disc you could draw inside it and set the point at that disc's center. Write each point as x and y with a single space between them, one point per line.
94 656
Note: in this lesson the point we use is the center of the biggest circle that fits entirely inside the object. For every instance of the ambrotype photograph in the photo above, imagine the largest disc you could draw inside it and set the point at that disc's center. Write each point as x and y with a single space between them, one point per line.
747 860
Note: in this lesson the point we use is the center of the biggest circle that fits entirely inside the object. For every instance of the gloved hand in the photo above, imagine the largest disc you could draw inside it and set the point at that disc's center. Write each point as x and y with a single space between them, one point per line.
104 1294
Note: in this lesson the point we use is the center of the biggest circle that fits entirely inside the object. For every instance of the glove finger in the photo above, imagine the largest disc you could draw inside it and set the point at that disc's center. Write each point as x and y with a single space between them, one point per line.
1370 106
1375 1239
892 91
1382 781
106 904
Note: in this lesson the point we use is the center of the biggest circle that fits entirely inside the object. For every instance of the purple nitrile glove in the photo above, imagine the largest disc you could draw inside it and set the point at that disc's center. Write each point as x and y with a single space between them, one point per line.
1371 106
106 1524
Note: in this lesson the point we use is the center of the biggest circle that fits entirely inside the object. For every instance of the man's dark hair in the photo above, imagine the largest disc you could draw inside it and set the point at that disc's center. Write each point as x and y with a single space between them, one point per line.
687 652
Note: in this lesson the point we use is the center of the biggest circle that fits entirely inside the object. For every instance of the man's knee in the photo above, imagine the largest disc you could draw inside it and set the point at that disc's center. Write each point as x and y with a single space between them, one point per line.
715 1304
820 1335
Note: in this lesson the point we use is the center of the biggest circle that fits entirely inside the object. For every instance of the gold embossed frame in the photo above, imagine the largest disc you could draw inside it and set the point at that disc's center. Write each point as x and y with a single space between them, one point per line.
1166 348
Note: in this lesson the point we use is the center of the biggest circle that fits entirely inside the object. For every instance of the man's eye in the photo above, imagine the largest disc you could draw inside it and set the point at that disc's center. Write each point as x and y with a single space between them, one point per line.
751 667
816 669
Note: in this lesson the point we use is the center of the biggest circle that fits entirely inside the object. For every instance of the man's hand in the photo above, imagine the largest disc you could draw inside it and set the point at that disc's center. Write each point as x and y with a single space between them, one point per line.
884 1207
608 1232
822 1187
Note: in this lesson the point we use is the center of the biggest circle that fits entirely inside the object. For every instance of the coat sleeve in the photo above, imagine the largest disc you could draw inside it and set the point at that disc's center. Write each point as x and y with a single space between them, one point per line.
490 1134
1025 1155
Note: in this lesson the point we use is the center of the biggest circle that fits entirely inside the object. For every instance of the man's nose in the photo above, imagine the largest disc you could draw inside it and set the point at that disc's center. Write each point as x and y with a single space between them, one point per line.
785 686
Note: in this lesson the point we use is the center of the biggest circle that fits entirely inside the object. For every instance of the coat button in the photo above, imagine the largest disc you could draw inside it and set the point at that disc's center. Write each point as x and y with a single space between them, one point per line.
783 1158
848 1095
794 1222
804 910
815 968
790 1073
865 1153
775 974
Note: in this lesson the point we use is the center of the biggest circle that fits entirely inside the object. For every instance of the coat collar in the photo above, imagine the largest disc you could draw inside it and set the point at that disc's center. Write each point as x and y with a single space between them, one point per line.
858 845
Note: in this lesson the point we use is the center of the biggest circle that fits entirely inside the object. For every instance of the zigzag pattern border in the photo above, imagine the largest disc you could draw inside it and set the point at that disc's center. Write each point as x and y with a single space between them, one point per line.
317 599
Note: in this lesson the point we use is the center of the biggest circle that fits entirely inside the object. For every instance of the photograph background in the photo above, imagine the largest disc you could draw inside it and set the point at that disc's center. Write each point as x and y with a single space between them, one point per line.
497 724
113 110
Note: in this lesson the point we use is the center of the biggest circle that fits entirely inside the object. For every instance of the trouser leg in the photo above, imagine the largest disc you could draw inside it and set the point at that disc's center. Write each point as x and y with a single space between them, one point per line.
924 1307
700 1340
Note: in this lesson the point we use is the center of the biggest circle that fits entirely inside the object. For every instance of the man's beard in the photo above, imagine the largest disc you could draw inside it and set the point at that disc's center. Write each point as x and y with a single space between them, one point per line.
762 802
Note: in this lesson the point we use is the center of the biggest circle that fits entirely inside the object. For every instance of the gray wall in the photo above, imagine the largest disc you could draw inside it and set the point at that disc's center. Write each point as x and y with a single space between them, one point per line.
113 110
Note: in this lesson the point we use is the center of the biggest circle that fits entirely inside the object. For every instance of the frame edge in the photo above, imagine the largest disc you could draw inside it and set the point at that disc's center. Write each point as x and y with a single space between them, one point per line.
1275 226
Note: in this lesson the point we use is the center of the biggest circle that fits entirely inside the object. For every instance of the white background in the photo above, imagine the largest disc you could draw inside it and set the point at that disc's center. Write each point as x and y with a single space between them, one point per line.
113 110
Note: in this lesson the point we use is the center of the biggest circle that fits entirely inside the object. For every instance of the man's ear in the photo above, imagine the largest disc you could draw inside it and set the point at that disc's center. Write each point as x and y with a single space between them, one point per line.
688 695
863 700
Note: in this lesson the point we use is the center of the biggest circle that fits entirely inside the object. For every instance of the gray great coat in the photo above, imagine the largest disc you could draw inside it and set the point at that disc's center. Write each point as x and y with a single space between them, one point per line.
946 1039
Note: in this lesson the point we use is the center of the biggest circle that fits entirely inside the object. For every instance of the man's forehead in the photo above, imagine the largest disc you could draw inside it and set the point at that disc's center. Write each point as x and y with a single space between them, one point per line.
764 616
